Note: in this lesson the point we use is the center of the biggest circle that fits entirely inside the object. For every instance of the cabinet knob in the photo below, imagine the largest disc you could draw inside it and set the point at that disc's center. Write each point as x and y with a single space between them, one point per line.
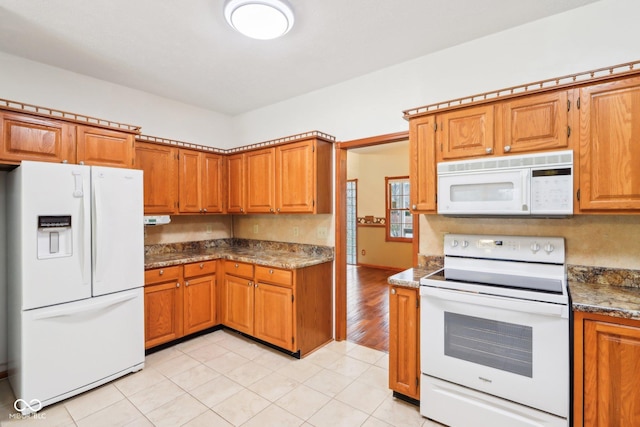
161 272
236 265
270 271
249 283
393 291
507 148
241 209
178 285
81 163
204 210
65 161
186 283
278 209
201 265
256 285
489 150
414 207
270 209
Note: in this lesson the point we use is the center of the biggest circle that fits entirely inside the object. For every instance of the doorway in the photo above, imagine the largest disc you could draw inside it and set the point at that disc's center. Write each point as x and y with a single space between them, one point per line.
352 302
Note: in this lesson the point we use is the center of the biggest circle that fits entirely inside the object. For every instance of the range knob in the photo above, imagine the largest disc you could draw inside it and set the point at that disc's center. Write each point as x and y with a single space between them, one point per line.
454 243
535 247
548 248
465 244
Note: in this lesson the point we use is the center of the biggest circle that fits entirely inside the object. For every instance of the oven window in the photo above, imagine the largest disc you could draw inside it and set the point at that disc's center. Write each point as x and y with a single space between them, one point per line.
500 345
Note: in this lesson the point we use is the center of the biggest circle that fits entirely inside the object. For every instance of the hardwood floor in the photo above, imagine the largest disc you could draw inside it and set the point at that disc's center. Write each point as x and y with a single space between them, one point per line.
368 306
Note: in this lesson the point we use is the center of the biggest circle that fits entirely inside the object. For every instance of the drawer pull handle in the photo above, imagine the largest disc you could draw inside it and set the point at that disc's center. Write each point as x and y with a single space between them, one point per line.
393 291
201 265
270 271
161 272
236 265
178 285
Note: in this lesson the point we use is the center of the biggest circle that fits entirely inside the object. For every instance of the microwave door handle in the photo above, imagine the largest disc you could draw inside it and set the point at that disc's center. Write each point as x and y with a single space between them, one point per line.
525 181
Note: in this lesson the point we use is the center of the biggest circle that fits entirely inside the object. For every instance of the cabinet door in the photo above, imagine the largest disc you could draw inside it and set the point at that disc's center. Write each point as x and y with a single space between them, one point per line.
160 166
212 183
609 146
235 184
611 374
466 133
274 315
404 356
162 313
535 123
199 303
31 138
422 138
238 304
295 177
189 174
103 147
260 180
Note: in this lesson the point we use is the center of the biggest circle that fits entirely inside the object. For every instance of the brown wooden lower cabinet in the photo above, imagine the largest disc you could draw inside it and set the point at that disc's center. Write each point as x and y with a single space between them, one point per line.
606 371
291 309
179 301
404 341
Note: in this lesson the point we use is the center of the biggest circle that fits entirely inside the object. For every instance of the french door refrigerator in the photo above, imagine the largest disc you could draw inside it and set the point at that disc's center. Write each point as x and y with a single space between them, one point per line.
75 279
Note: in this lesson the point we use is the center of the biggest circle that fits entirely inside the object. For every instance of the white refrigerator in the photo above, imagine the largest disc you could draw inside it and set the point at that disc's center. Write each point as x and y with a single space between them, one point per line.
75 279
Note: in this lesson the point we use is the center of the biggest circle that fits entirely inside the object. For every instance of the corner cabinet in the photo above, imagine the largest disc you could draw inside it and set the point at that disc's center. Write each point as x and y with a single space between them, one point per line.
610 146
291 309
235 183
607 371
179 301
404 341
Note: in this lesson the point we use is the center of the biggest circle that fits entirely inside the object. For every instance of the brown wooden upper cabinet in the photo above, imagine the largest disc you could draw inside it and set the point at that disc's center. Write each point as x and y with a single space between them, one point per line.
466 133
534 123
27 137
200 177
104 147
610 146
160 166
303 177
289 178
260 180
235 184
422 172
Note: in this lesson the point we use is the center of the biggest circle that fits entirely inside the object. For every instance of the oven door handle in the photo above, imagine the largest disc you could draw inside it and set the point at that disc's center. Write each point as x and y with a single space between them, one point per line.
511 304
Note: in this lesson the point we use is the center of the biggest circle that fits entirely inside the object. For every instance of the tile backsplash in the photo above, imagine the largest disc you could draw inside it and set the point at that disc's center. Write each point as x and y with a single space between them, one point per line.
188 228
591 240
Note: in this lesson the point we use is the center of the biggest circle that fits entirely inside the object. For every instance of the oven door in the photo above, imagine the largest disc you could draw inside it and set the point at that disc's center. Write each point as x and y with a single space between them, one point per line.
513 349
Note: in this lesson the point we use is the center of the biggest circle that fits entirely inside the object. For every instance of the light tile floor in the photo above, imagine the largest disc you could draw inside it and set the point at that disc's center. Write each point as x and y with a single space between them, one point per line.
223 379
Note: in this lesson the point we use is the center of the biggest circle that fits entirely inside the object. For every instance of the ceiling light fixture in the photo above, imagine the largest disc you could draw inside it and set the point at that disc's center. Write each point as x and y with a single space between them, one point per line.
259 19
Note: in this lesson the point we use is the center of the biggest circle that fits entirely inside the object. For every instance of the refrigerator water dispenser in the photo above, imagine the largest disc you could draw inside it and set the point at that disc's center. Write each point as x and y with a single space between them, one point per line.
54 236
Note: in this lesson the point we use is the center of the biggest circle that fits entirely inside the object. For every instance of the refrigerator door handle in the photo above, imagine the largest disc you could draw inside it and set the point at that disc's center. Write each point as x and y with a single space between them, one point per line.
79 190
79 309
96 230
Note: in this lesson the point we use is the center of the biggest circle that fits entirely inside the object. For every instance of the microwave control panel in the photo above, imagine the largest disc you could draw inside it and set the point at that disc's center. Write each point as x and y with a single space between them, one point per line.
552 191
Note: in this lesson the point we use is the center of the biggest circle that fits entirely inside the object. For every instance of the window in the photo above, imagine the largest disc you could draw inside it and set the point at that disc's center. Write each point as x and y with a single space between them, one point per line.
399 220
352 204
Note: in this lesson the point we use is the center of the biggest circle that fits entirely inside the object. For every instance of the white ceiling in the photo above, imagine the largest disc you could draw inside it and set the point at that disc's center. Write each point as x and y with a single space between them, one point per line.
184 50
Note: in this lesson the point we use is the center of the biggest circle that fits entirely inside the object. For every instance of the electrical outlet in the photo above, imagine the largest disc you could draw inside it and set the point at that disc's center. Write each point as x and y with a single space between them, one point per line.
322 232
209 229
296 231
255 229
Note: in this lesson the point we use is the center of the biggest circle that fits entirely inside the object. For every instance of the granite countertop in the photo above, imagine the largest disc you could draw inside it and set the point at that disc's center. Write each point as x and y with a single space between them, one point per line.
288 257
611 292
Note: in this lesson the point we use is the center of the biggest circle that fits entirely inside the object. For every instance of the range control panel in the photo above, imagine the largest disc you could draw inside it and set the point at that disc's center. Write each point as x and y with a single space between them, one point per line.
508 248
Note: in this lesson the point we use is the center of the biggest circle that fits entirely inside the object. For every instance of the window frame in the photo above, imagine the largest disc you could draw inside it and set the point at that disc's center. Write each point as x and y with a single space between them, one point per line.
388 180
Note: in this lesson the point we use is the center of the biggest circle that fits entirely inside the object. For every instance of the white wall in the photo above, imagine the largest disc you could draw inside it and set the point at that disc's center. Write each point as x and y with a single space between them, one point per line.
598 35
34 83
3 277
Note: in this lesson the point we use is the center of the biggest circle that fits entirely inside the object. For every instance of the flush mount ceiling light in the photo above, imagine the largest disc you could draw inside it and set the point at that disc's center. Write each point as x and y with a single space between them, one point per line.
259 19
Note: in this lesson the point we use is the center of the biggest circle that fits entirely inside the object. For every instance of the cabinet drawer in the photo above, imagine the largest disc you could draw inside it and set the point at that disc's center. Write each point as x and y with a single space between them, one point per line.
199 268
239 269
274 275
159 275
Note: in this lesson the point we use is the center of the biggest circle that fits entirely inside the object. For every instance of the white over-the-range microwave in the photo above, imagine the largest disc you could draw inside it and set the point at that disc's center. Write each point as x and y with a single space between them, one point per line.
532 184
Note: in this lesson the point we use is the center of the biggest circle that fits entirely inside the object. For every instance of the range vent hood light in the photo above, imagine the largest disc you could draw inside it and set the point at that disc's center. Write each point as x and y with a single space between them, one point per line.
259 19
157 220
